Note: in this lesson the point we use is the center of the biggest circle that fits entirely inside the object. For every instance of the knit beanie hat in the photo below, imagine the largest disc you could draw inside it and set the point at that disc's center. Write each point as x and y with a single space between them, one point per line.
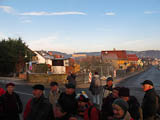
10 84
123 104
82 96
109 79
124 92
117 88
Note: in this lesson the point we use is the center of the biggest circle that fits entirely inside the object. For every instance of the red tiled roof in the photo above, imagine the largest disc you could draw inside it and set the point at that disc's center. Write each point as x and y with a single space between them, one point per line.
132 57
121 54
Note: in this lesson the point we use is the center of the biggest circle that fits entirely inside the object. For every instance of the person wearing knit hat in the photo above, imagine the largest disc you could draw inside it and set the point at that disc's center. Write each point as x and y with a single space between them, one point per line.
86 110
83 101
120 110
124 93
10 84
107 110
134 106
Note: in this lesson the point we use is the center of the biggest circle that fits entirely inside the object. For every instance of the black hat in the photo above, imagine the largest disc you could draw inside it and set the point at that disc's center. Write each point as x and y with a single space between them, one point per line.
147 82
10 84
38 86
70 85
123 104
109 79
96 73
124 92
53 84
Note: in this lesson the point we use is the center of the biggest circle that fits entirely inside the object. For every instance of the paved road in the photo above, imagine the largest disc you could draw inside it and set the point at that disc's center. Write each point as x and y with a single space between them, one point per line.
133 83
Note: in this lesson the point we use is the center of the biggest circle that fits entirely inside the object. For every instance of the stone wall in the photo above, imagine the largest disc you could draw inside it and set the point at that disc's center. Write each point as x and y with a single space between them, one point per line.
46 78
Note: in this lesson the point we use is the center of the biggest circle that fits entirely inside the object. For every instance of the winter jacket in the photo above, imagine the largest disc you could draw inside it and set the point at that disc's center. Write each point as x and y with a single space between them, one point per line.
38 109
107 91
72 79
2 91
68 103
107 110
91 113
11 106
134 108
53 97
65 117
95 90
149 104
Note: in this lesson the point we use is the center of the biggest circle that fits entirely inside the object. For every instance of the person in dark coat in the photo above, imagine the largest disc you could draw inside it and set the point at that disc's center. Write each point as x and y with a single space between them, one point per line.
10 104
134 106
38 107
107 110
149 100
71 78
67 98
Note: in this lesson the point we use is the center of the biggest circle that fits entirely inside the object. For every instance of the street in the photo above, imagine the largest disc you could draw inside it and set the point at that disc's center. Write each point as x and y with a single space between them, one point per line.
134 85
25 91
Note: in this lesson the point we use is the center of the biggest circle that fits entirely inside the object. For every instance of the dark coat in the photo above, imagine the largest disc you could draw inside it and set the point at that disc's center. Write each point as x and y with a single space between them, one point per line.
134 108
72 79
65 117
68 103
107 109
39 109
10 106
149 104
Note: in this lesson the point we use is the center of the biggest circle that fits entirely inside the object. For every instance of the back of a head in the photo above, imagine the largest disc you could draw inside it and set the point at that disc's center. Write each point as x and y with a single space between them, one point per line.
124 92
96 73
109 79
123 104
53 84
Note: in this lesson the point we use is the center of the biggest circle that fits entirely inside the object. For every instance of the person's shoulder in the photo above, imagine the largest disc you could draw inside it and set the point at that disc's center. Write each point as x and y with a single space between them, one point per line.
62 94
45 100
16 94
105 86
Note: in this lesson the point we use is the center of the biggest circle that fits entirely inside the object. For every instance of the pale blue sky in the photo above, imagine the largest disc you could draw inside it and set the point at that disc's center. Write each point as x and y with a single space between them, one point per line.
82 25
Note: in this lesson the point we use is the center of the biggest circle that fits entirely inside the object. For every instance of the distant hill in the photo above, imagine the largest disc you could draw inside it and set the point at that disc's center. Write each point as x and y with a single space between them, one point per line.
148 53
61 53
90 53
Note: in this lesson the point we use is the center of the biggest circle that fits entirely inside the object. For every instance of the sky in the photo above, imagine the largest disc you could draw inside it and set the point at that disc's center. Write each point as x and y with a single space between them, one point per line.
82 25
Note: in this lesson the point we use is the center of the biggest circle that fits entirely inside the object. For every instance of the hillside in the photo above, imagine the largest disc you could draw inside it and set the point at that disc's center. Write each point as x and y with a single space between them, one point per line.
148 53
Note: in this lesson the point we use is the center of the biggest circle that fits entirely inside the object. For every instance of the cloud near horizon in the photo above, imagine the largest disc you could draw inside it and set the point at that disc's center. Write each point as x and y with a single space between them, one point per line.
110 13
51 13
151 12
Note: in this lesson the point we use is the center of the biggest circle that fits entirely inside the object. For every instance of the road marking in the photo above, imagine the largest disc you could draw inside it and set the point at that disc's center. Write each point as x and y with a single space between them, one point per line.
24 93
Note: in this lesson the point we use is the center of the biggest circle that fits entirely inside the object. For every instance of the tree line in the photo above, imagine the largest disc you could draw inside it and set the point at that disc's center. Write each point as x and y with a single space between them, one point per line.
14 53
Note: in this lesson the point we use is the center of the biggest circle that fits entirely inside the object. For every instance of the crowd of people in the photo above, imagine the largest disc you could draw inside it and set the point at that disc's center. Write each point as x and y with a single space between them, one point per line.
117 103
